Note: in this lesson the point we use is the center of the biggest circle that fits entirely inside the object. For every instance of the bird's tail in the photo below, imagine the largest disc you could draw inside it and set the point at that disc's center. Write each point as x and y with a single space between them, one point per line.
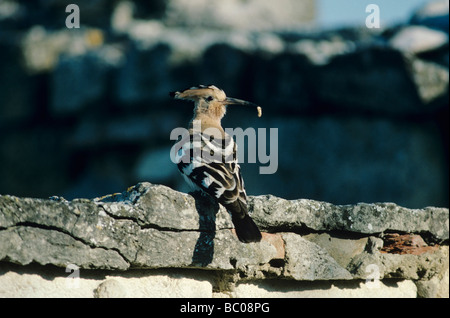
246 229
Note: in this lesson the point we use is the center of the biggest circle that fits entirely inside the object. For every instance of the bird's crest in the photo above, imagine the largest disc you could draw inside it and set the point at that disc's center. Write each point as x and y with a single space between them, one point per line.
201 91
211 93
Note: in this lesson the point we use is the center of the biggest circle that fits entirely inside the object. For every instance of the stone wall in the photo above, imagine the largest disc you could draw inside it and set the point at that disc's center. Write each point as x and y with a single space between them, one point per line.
152 241
362 115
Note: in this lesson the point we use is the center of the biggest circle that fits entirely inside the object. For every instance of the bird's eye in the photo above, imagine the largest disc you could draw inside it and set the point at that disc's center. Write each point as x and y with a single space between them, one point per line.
209 98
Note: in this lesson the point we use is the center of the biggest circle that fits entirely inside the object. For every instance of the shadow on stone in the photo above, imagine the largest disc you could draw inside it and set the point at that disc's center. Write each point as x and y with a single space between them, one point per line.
207 209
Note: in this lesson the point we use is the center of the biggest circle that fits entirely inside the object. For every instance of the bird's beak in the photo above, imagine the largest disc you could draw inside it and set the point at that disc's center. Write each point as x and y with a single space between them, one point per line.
235 101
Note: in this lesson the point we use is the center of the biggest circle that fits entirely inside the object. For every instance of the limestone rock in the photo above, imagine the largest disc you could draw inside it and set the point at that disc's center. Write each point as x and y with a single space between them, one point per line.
417 39
406 73
323 289
110 288
307 261
153 226
433 14
277 213
27 244
340 249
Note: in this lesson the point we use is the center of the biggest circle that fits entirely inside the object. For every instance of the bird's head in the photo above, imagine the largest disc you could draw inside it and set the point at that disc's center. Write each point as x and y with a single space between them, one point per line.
210 101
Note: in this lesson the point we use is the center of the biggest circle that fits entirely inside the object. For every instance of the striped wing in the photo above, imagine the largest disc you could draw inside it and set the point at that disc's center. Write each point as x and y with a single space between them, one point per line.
211 164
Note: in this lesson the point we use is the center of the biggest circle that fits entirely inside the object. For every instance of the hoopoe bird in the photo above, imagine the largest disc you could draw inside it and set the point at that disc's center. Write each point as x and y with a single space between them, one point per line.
207 157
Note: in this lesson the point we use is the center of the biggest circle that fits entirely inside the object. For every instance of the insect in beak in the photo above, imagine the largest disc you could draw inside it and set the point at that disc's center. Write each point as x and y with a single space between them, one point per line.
235 101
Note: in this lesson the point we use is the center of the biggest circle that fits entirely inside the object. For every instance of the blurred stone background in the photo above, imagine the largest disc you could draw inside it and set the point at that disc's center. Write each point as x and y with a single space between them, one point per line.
362 113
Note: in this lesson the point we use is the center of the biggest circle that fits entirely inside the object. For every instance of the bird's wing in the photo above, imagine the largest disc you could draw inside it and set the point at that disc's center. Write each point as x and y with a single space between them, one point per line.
211 164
